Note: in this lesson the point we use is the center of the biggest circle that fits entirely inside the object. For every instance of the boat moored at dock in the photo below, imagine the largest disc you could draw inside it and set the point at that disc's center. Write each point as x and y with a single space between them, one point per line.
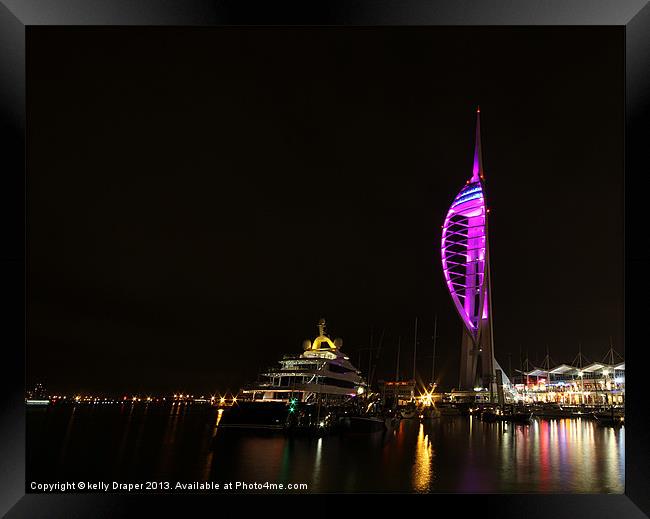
304 393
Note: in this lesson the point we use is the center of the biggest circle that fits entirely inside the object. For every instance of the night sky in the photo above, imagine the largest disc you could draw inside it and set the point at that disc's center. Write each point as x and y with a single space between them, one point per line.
198 198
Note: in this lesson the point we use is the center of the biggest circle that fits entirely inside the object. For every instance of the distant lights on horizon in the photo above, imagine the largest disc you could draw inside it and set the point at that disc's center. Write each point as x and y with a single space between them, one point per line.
142 398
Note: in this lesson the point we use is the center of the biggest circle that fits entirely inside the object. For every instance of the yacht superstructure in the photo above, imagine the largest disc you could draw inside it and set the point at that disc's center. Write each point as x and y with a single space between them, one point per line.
321 373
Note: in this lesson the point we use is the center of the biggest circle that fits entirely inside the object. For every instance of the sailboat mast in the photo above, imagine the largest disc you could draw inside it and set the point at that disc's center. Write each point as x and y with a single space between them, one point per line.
399 344
370 360
433 362
415 346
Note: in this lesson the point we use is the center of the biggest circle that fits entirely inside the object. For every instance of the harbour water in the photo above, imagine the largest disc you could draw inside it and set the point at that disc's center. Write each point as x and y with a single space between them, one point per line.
138 442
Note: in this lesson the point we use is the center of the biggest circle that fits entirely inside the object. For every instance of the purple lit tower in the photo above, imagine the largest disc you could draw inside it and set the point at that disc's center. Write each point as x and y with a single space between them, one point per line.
466 266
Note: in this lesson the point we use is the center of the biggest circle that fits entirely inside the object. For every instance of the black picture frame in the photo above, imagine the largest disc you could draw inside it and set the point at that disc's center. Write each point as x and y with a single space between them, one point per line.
16 16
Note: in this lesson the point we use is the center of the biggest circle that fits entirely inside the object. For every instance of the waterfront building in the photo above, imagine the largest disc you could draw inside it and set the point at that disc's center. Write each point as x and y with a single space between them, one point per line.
595 384
396 393
477 396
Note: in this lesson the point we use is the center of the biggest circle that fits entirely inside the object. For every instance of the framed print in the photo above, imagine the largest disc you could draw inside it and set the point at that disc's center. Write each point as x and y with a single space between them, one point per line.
356 248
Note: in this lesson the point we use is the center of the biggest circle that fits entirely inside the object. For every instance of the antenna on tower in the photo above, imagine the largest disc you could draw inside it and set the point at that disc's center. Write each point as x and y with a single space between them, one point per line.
477 167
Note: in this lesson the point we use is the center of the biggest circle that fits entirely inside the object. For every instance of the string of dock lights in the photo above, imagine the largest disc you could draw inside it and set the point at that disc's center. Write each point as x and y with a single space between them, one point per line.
217 399
177 398
225 400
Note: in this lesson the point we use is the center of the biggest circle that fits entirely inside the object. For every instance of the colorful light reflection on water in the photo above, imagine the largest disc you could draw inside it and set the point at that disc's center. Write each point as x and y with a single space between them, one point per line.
450 454
423 467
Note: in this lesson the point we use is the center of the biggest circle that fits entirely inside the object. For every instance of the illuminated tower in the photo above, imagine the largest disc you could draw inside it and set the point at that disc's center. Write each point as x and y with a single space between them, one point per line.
466 265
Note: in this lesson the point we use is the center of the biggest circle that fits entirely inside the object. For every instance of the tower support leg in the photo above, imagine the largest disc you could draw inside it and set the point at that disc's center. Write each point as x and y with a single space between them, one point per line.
468 363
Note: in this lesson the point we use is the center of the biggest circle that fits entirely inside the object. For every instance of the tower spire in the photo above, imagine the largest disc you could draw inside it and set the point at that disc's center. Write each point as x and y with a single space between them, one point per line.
477 168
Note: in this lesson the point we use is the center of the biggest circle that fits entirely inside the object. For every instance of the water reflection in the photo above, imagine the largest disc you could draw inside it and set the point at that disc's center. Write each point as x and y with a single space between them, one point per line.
317 462
207 466
450 454
125 434
66 438
168 439
422 467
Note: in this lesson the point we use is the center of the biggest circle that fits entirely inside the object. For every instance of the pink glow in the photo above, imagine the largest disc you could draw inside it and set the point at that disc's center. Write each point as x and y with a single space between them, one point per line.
463 247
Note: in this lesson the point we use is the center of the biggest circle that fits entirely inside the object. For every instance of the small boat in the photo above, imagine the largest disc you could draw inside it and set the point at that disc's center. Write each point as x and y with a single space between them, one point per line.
410 411
36 402
552 411
429 413
491 416
609 419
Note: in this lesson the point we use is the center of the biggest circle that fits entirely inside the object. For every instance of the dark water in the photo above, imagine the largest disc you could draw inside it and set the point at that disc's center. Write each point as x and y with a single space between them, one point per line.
451 454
